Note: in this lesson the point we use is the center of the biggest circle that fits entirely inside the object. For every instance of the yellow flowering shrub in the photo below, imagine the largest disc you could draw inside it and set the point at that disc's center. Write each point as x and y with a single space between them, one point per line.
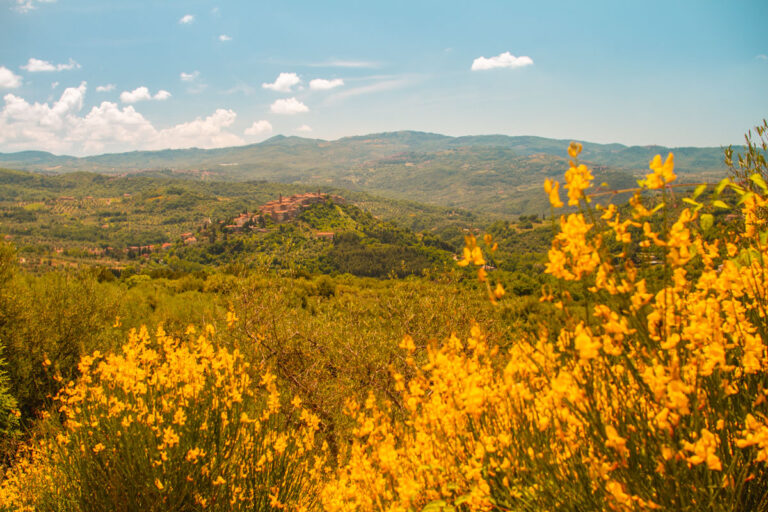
653 393
170 424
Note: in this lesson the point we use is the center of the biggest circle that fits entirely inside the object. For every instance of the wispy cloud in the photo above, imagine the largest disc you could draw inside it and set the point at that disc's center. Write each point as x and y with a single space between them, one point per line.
240 88
37 65
305 128
8 80
340 63
105 88
189 77
142 94
762 56
187 19
503 60
283 83
384 83
29 5
321 84
224 38
288 106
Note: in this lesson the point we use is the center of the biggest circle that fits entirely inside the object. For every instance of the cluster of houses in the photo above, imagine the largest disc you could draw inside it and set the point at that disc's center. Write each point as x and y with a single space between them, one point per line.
287 208
284 209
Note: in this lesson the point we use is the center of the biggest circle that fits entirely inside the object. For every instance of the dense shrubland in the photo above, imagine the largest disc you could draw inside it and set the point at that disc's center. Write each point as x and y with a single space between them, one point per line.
637 381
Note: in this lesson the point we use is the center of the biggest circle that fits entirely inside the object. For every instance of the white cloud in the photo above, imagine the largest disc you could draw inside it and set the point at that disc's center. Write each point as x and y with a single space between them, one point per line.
61 128
105 88
187 19
283 82
28 5
224 38
288 106
206 133
305 128
161 95
189 77
259 128
322 84
503 60
33 124
54 85
37 65
142 94
8 80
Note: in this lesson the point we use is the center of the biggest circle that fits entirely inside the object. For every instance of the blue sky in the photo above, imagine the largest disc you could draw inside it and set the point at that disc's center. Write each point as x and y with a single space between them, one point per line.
86 77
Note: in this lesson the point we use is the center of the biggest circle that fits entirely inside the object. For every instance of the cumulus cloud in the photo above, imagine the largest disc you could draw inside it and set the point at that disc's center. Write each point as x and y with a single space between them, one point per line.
161 95
28 5
206 133
503 60
105 88
187 19
305 128
288 106
189 77
36 65
259 128
322 84
8 80
60 128
142 94
224 38
283 82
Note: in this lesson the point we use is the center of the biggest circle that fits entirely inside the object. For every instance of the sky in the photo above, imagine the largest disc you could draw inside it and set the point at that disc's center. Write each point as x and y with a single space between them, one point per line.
86 77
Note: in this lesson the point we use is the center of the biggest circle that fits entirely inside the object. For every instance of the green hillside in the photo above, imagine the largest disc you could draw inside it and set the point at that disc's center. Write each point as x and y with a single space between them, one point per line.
327 238
113 221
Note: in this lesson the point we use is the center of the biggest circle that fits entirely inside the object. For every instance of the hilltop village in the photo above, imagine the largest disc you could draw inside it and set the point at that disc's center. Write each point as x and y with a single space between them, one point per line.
284 209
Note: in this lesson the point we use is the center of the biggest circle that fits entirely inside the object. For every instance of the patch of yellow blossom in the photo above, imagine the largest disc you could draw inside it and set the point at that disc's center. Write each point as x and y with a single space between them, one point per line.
161 410
658 376
472 253
663 173
577 179
552 187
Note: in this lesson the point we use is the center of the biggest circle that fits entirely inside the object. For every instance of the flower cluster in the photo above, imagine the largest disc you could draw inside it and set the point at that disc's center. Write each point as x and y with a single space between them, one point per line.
170 424
653 394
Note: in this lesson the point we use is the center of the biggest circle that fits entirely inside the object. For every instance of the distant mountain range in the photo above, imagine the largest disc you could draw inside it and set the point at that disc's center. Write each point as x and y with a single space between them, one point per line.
487 173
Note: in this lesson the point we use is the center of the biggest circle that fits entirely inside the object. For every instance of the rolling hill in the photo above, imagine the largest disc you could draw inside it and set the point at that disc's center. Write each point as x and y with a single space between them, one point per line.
493 174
